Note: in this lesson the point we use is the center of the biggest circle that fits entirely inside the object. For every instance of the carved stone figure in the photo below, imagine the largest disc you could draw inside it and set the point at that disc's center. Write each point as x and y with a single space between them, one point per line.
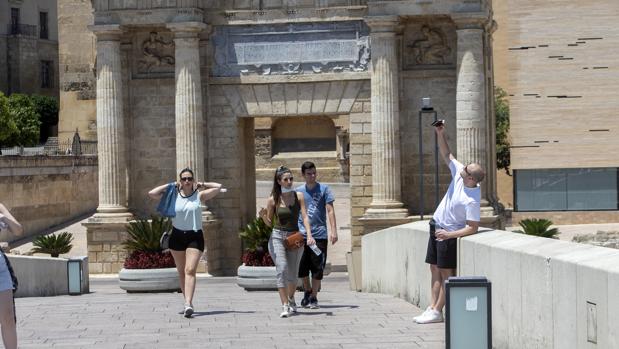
431 49
156 52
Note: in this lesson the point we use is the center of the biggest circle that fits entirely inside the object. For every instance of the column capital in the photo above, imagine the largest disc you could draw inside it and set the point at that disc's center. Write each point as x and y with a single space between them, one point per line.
471 20
106 32
187 29
384 25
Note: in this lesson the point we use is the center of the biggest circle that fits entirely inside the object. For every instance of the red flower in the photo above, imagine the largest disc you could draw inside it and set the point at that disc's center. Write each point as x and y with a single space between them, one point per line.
257 258
149 260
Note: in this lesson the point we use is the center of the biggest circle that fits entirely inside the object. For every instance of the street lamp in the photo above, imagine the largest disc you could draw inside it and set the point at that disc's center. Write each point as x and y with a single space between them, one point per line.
427 109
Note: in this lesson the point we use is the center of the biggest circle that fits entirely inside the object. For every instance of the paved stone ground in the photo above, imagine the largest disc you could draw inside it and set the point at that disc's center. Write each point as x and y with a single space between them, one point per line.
226 317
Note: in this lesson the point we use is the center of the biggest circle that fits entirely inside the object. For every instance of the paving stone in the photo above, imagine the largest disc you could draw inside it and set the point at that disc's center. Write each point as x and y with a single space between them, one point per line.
226 317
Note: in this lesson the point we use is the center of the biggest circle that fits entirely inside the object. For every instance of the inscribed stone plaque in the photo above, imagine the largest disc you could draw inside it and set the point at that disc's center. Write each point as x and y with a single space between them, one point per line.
291 49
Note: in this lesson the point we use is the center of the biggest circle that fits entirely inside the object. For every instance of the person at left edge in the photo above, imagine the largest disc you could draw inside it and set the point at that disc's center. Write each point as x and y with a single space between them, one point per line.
186 241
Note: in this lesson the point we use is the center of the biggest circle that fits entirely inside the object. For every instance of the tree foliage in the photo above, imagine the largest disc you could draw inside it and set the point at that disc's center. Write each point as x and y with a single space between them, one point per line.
23 112
7 124
47 108
501 111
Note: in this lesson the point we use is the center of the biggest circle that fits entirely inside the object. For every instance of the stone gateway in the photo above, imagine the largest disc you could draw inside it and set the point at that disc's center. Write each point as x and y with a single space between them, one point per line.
181 83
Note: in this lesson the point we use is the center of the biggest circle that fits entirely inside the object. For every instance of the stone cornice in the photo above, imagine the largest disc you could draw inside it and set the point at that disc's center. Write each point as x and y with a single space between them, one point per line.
106 32
384 25
472 20
187 29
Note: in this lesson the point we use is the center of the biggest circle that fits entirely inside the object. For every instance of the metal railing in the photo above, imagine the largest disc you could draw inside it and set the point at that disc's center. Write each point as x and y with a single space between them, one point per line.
23 29
54 147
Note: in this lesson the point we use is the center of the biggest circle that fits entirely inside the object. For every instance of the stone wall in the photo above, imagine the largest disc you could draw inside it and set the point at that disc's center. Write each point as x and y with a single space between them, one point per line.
440 86
360 162
546 293
4 67
42 192
556 64
76 45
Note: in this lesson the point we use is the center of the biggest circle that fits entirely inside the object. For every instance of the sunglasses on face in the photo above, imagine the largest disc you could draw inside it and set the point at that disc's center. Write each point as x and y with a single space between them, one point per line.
186 179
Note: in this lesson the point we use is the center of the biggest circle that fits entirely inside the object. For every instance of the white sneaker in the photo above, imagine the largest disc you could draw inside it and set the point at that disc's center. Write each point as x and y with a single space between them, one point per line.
431 317
188 310
422 314
292 304
286 311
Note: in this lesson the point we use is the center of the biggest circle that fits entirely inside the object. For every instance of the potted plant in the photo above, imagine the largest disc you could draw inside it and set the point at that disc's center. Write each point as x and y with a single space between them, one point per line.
147 268
257 271
54 245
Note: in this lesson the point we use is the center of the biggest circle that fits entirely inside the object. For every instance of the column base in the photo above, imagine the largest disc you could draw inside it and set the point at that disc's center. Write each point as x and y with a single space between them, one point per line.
382 212
491 220
105 210
211 227
105 233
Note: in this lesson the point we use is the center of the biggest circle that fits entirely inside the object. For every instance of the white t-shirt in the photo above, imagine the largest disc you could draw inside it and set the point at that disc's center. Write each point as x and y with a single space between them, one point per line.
460 203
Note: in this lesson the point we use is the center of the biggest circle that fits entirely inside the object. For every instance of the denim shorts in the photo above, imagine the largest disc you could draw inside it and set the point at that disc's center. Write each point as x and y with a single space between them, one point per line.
5 277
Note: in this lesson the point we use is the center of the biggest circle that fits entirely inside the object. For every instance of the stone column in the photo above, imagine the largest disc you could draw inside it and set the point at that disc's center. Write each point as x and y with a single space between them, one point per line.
190 150
110 123
386 191
106 230
473 130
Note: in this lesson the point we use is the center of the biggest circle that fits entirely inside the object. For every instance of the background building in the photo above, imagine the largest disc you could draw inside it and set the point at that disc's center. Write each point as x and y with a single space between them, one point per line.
29 47
557 61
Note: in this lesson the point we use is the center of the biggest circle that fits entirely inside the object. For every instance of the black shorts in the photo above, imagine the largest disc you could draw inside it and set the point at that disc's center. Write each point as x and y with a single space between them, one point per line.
311 262
443 254
180 240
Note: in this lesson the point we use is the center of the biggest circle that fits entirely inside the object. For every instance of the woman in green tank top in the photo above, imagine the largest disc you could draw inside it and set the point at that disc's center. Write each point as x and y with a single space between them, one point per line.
283 207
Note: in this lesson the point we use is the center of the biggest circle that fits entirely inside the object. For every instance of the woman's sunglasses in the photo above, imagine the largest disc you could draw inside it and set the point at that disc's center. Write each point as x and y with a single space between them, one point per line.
186 179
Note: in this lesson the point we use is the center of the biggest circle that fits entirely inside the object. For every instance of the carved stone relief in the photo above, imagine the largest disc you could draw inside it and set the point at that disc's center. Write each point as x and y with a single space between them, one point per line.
155 53
291 49
429 45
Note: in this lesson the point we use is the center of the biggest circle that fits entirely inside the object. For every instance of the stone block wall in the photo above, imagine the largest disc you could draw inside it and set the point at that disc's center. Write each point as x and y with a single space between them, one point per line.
4 67
230 162
76 70
440 86
360 162
152 153
42 192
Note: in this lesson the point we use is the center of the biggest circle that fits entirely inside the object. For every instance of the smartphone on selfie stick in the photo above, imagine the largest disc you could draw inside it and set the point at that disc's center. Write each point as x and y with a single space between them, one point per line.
438 123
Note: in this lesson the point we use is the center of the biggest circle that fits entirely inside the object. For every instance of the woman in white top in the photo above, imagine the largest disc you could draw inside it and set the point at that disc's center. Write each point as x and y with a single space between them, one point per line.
186 241
7 312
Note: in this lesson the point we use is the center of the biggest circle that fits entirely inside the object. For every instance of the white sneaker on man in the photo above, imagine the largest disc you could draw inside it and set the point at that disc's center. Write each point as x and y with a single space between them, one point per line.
423 314
286 311
431 317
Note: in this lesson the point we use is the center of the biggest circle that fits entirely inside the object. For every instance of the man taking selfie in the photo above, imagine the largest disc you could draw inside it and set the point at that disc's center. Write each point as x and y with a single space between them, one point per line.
457 215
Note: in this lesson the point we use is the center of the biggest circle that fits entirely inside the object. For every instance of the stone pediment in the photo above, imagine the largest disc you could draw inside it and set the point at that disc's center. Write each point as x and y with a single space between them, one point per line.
291 99
291 49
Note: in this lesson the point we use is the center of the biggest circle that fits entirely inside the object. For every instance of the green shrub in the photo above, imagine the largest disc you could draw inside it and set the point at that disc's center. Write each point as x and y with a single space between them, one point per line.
47 108
538 227
144 234
53 245
23 112
256 235
7 124
501 112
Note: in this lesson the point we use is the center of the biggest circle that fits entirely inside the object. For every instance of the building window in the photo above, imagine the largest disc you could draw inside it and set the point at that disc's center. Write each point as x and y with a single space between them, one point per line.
579 189
14 20
46 74
43 28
